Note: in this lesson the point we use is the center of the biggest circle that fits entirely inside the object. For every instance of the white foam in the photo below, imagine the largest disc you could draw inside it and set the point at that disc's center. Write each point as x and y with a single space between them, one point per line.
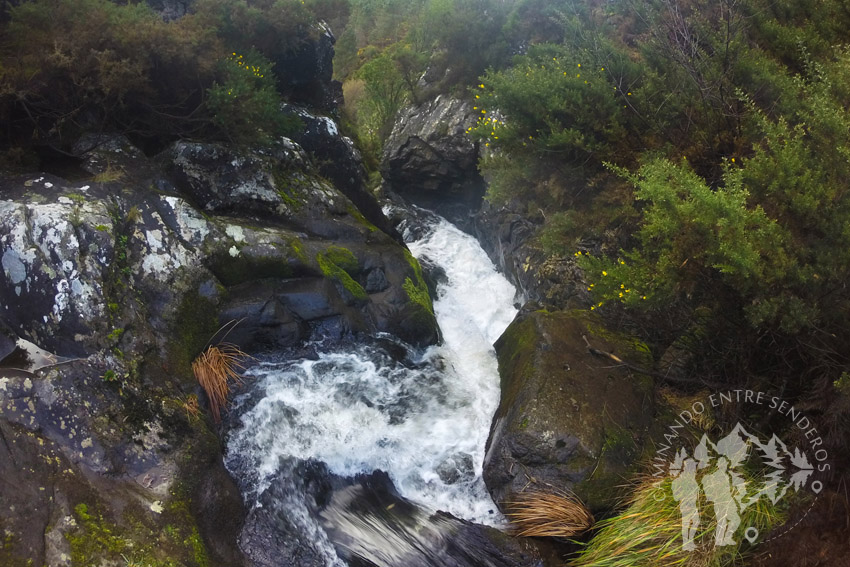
360 411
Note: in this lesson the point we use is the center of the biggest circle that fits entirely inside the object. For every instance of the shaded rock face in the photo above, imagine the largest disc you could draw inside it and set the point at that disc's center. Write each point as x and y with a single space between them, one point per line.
170 9
430 160
338 160
371 525
507 236
309 71
131 277
565 418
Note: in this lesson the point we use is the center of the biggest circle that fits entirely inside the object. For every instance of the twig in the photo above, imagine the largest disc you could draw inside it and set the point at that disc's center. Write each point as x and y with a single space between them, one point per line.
641 370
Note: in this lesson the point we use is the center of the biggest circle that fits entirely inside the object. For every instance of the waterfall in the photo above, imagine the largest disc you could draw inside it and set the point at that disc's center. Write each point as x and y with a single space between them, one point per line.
424 419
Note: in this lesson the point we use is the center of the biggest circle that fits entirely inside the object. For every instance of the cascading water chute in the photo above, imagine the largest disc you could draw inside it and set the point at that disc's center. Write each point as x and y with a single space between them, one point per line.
422 417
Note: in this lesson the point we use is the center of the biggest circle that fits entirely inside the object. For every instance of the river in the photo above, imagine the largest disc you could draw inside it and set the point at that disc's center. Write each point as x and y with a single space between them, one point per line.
421 416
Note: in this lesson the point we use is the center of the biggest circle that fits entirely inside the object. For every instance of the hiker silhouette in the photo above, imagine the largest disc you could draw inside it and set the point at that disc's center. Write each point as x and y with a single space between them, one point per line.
686 492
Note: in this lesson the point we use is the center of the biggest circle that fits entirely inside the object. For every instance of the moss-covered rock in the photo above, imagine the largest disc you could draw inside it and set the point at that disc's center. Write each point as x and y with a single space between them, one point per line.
340 264
567 418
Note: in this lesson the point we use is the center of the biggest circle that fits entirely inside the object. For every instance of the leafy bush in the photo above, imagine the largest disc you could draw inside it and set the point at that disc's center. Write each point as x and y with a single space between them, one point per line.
71 66
245 104
551 100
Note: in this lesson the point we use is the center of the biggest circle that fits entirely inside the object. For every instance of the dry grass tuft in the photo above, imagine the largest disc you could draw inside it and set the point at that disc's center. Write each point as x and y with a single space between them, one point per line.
548 514
191 406
216 368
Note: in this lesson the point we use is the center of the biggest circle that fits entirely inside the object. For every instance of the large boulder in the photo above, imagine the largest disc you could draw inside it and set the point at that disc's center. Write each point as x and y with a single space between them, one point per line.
431 160
566 418
370 523
366 522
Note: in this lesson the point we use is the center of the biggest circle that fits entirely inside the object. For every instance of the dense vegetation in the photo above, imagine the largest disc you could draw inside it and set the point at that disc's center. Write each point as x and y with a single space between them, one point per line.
95 65
704 146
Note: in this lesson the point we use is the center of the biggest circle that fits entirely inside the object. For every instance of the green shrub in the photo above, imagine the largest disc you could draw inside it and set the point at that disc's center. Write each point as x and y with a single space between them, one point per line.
72 66
244 103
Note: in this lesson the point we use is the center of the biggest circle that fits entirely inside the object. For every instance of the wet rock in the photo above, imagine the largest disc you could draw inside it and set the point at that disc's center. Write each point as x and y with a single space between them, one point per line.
566 418
370 524
339 161
94 467
282 531
508 237
376 281
135 283
261 321
268 183
430 159
456 468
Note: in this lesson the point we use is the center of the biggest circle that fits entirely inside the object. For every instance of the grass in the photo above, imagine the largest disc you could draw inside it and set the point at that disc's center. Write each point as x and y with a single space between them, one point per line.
110 174
548 514
216 368
648 533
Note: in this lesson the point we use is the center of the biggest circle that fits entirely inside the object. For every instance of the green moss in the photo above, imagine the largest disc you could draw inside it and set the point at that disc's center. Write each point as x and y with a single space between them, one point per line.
417 290
94 538
8 557
340 264
516 349
418 294
287 186
297 248
355 212
137 541
287 198
195 322
342 257
183 529
115 335
638 351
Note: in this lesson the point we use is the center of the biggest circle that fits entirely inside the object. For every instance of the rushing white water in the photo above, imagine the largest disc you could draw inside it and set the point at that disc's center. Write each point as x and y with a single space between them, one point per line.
425 424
